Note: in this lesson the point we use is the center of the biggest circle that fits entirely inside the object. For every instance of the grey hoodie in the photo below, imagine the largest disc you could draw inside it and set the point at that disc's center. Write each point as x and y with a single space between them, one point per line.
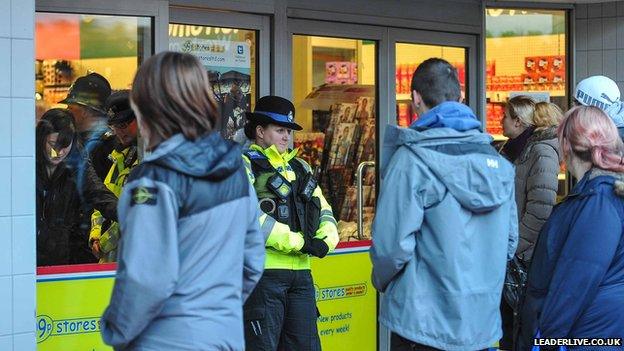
191 251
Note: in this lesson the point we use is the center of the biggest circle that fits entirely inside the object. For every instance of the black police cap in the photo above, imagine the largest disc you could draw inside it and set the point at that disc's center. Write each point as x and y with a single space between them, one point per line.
118 107
274 110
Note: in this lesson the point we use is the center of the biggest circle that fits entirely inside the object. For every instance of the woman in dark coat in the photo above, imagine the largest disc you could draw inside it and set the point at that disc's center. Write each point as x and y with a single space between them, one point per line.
62 202
576 280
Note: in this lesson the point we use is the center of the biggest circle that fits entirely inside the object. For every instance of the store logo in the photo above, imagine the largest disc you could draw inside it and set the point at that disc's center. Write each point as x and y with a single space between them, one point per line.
240 49
340 292
44 328
47 327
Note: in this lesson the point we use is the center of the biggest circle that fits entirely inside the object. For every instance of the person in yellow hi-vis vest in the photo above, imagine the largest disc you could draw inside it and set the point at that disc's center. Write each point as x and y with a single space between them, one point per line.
298 222
121 119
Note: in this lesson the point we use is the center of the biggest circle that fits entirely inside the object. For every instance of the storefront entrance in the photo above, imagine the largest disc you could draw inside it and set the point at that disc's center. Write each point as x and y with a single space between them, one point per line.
348 82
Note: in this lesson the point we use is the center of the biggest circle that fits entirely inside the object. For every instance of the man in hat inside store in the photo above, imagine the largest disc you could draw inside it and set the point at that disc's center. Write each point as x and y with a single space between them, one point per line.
297 222
104 234
85 100
602 92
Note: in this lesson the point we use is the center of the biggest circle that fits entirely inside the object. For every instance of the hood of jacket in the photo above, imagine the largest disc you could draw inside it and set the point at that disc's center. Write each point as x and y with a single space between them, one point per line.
449 114
209 157
465 162
614 178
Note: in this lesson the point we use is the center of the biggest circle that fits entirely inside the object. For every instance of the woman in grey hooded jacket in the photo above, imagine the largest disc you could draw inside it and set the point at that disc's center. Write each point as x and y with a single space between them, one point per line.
191 250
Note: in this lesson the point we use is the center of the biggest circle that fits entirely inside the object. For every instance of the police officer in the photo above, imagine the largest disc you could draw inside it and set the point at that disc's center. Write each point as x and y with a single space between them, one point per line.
298 222
86 99
121 119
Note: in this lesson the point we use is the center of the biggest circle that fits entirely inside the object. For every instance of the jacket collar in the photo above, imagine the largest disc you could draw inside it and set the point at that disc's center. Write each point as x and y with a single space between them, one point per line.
273 155
592 178
541 134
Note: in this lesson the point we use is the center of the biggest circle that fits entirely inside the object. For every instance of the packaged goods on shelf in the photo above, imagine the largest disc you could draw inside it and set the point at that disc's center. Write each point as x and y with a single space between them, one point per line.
341 72
310 147
349 139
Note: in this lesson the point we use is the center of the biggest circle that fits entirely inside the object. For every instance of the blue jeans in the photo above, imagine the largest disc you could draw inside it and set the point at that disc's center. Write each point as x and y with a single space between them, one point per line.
281 313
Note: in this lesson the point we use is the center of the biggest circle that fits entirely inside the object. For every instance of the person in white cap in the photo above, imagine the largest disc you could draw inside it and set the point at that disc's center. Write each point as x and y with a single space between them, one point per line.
602 92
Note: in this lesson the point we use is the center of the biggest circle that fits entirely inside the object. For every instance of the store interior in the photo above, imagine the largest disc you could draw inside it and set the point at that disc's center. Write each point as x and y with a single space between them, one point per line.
69 46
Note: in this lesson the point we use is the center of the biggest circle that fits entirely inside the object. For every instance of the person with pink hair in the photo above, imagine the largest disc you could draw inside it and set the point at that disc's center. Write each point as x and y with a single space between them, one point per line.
575 287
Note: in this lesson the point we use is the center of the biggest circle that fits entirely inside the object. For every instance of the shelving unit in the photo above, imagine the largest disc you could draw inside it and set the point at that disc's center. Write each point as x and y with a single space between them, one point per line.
502 96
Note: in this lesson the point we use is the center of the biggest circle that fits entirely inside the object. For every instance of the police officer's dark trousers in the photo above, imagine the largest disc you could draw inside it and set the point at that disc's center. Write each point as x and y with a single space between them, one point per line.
281 313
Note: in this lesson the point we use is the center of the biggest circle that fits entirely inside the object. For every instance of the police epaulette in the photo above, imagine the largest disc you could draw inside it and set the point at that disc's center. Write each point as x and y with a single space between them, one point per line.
254 155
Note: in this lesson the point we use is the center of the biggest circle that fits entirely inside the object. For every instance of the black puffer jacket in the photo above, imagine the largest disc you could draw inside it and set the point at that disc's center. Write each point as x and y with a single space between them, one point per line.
63 212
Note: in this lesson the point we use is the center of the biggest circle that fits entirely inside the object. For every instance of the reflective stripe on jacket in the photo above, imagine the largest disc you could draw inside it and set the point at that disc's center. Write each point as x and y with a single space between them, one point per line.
114 181
282 244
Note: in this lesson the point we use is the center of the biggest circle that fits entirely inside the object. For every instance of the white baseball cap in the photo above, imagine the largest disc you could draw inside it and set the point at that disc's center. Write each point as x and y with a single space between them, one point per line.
599 91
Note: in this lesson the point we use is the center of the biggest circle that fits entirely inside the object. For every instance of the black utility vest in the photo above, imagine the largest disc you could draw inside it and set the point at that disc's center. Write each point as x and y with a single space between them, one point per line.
299 215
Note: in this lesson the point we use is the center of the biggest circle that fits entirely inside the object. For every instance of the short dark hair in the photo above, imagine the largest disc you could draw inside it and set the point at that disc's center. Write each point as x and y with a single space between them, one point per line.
56 120
172 92
250 128
436 81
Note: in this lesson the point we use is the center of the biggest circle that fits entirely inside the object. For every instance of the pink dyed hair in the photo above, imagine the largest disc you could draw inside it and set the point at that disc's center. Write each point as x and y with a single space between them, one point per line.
591 135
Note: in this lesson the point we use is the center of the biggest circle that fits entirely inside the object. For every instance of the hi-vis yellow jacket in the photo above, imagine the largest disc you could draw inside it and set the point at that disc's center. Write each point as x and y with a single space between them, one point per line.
114 181
283 245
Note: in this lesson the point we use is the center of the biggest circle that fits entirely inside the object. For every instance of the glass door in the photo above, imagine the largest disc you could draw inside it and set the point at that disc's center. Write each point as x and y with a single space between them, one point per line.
410 48
529 60
408 57
334 88
236 58
336 77
80 58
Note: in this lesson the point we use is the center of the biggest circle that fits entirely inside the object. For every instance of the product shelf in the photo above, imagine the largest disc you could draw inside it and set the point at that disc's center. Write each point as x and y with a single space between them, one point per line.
502 96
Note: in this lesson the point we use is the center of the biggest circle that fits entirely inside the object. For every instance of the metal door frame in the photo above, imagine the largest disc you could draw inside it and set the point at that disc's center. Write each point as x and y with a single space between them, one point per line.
466 41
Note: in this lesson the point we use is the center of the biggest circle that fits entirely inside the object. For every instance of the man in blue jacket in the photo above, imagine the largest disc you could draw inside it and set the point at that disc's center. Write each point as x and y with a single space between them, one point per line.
445 225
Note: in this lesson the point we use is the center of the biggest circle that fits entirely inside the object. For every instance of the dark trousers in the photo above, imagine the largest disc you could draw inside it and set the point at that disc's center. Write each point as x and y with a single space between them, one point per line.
508 319
399 343
281 313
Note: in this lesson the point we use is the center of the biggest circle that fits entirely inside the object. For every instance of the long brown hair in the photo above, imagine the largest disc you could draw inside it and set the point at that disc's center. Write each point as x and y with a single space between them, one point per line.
173 95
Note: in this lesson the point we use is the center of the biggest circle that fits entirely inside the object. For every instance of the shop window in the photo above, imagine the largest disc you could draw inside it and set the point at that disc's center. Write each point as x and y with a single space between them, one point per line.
408 57
68 46
230 57
526 54
335 97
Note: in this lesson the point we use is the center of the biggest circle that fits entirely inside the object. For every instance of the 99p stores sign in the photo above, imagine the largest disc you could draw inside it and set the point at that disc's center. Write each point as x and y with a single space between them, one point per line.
48 328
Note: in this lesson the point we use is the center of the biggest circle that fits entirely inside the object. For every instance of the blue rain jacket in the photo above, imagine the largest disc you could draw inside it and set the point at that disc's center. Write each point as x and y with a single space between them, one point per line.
190 252
576 281
445 226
